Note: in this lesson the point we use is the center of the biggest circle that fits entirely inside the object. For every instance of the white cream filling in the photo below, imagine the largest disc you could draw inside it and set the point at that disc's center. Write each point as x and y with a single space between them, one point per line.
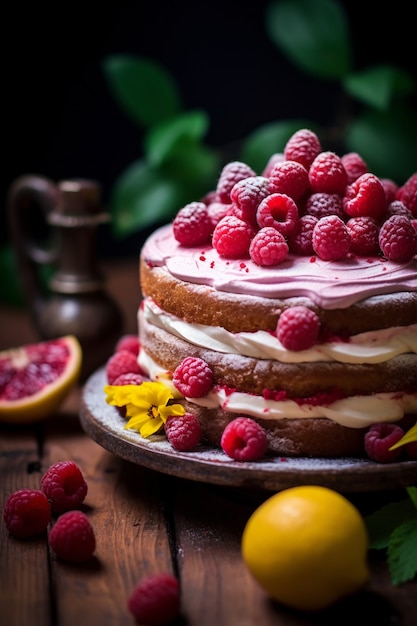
371 347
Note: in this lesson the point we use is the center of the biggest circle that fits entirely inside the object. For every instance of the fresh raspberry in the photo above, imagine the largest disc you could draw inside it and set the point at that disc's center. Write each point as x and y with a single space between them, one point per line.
209 197
243 439
398 239
331 240
268 247
232 237
322 204
363 233
275 158
122 362
298 328
64 485
192 225
327 174
278 211
408 194
130 378
354 165
365 196
303 146
193 377
27 512
231 174
390 188
301 239
129 343
289 177
155 601
183 431
379 438
216 211
396 207
72 537
247 195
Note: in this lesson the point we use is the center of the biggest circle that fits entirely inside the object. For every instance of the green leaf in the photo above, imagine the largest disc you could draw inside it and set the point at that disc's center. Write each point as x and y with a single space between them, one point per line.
10 288
163 140
402 552
377 86
196 167
386 141
144 90
313 34
382 523
412 492
267 140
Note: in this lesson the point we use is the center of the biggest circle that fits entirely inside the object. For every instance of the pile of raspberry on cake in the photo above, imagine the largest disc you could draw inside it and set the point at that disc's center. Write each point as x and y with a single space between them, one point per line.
283 303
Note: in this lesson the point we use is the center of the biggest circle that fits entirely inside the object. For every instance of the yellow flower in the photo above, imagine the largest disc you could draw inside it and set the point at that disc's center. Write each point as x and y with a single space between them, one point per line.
147 405
409 437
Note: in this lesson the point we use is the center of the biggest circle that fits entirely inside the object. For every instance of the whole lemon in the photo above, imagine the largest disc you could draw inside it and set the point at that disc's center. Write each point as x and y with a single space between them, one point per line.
307 547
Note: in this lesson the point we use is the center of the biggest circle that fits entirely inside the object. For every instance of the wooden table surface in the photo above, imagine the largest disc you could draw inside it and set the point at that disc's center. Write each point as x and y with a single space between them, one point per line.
146 522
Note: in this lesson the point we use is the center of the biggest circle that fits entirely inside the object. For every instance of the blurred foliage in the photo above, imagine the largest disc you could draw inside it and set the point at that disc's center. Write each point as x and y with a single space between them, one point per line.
376 118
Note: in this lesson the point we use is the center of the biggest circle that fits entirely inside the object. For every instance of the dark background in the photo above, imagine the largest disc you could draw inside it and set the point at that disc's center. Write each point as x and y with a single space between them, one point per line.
60 120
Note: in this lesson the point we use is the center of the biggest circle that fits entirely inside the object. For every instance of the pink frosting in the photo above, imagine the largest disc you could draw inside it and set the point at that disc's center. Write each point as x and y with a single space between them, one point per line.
331 285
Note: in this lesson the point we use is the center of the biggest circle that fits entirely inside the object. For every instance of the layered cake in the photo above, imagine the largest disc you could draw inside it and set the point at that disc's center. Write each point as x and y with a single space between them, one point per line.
297 287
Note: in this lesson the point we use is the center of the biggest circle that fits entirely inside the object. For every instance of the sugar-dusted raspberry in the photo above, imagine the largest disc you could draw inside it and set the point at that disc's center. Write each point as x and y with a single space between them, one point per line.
272 161
327 174
278 211
209 197
216 211
231 174
408 194
321 204
243 439
232 237
303 146
331 239
72 537
390 188
398 239
396 207
130 378
129 343
183 431
354 165
26 513
192 225
64 485
122 362
290 178
365 196
268 247
247 195
193 377
298 328
379 438
155 601
364 232
301 239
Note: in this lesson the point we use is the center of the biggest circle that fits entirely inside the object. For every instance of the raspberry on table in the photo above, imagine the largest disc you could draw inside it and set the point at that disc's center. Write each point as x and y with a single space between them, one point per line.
231 174
278 211
129 343
354 165
407 193
321 204
303 146
331 239
72 537
64 485
379 438
398 239
301 239
268 247
232 237
183 431
365 196
243 439
122 362
193 377
298 328
327 174
26 513
192 225
155 601
247 195
364 232
290 178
